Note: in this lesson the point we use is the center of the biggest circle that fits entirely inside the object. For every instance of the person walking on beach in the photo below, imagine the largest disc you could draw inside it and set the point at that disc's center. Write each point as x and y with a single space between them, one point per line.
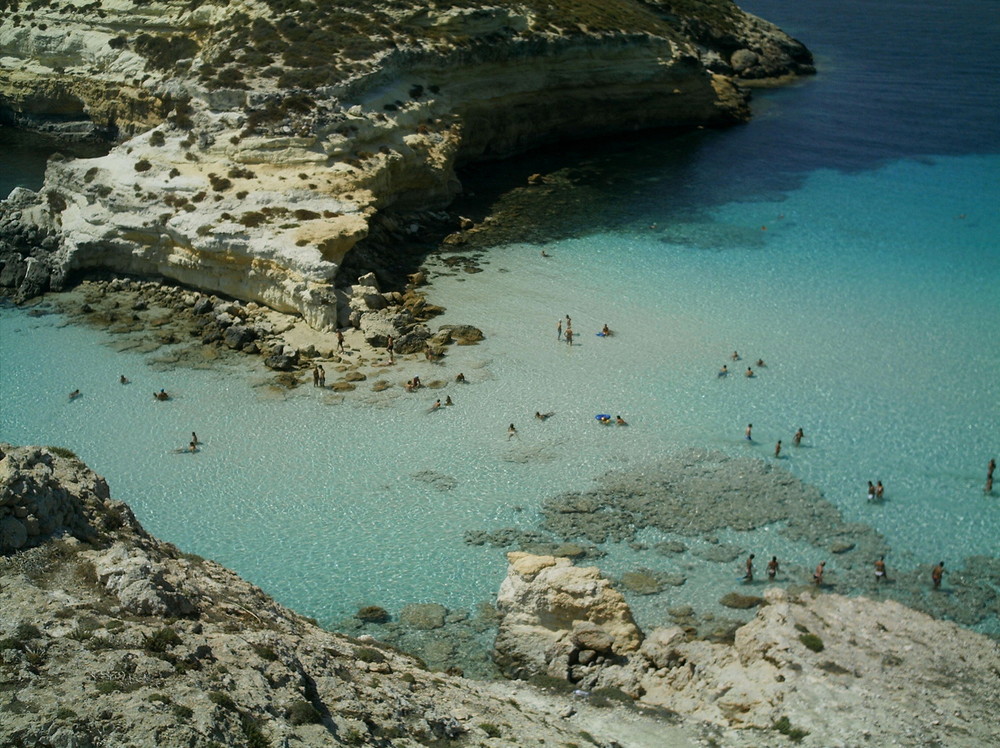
799 436
880 570
559 330
748 434
772 568
340 341
818 574
315 376
748 577
777 449
937 573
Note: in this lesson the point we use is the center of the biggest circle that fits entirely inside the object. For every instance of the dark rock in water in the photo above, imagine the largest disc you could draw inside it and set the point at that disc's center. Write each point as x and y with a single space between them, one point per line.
641 583
464 334
740 602
670 547
719 553
841 546
424 616
373 614
238 336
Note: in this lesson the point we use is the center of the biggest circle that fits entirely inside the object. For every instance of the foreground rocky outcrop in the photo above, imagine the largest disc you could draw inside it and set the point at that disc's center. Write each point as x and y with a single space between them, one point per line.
111 637
826 669
263 141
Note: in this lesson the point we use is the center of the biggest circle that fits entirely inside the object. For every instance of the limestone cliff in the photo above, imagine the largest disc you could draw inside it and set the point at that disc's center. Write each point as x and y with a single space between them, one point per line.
261 139
821 668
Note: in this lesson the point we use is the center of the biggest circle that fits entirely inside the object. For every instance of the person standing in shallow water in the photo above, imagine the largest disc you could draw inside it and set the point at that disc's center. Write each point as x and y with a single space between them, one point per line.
748 577
772 568
748 434
559 330
936 574
818 574
777 449
799 436
880 570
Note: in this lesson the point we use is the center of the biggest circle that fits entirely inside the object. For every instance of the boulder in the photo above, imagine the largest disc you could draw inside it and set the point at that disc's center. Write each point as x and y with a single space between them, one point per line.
464 334
238 336
543 602
414 341
377 326
282 358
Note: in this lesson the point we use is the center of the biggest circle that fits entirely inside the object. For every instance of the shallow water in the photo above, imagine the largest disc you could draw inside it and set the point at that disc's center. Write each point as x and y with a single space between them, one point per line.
847 236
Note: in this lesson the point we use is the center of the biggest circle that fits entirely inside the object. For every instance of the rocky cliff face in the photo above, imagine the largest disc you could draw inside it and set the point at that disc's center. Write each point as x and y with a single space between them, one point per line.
821 668
111 637
260 140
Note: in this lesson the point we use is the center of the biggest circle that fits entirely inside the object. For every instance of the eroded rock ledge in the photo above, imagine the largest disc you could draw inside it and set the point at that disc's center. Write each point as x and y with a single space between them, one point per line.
261 140
844 671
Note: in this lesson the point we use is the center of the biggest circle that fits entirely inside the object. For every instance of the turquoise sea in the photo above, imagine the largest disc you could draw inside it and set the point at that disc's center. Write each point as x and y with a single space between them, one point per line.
849 236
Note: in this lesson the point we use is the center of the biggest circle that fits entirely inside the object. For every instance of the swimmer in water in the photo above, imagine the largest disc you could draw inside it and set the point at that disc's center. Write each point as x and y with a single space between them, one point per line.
544 416
606 331
123 379
748 373
772 568
460 377
74 394
799 436
620 421
748 434
724 371
511 432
